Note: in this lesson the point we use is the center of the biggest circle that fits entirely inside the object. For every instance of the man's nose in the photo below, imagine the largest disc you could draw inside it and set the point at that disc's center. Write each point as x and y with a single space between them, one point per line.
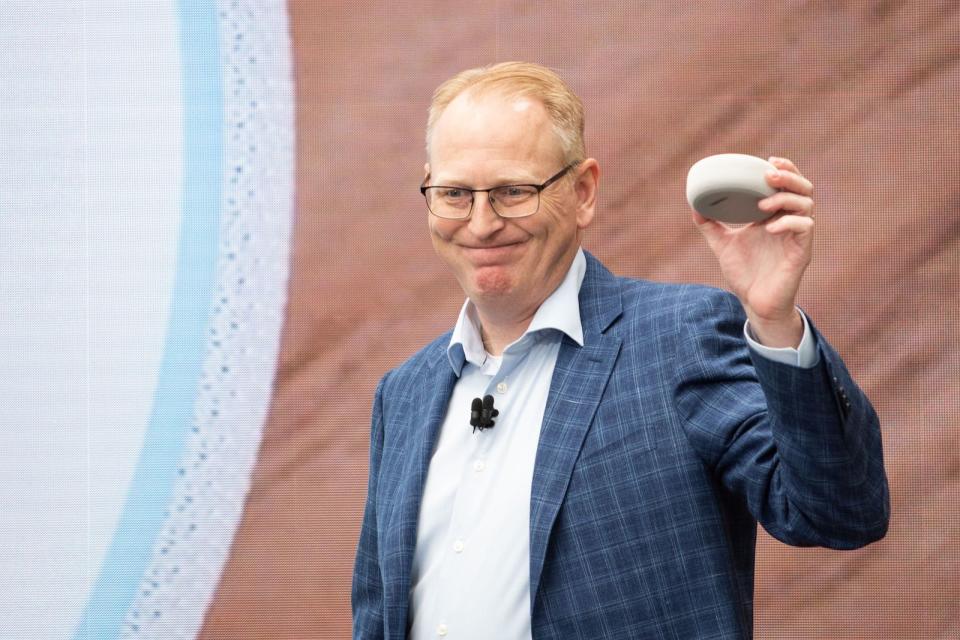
484 221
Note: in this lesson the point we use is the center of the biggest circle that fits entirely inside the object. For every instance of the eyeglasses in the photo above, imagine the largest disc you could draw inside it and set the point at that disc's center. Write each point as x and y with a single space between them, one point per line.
508 201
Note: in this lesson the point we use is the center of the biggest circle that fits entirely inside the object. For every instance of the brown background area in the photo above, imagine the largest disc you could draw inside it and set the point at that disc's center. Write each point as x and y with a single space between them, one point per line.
862 95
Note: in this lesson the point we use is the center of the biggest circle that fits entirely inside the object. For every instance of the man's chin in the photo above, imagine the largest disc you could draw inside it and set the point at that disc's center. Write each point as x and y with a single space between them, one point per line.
492 281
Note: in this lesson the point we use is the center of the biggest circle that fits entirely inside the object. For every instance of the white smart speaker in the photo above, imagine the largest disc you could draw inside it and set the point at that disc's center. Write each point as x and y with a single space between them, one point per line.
728 186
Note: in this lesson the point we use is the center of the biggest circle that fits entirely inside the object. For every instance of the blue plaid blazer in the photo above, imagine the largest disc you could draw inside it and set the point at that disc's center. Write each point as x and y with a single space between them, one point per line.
663 443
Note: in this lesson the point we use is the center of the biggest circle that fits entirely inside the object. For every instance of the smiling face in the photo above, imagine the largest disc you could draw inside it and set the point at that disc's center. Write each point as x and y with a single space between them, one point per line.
488 141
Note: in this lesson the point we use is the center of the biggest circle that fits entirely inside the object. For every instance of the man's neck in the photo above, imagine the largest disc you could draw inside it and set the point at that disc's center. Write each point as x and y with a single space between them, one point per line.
499 331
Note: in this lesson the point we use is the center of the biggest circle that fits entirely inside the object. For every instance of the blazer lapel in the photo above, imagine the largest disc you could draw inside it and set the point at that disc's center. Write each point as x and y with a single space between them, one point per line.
579 379
433 397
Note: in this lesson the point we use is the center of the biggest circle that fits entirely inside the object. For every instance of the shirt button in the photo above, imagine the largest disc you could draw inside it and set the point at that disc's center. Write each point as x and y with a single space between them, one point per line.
458 546
501 387
441 629
479 465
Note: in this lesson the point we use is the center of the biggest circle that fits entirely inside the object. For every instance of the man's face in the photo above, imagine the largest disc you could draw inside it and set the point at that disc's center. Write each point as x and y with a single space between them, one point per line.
488 141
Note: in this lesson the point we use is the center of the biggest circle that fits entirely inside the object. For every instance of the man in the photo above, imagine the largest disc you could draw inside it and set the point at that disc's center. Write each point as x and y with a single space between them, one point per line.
643 429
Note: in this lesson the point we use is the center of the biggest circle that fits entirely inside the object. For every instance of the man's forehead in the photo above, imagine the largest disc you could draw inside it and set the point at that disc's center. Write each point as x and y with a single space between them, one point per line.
514 124
494 102
521 104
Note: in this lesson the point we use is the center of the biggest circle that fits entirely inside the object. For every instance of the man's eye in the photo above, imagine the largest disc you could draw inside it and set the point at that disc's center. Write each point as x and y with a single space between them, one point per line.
454 194
514 193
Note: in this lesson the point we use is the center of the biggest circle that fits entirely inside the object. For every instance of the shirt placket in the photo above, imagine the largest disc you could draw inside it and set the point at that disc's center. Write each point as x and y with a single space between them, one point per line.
476 480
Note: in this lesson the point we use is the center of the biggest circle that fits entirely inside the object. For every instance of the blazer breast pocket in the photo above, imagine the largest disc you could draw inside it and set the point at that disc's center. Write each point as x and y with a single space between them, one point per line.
621 444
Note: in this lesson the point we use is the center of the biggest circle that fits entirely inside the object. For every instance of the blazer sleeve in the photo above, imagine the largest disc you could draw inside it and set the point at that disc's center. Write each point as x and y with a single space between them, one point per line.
366 596
801 447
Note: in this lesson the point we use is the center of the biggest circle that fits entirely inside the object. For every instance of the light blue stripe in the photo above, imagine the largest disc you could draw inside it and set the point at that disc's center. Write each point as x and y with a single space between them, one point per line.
151 487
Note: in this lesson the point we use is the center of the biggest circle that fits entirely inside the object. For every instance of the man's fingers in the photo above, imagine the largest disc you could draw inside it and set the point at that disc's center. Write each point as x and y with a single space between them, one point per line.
783 163
698 219
710 229
707 225
790 224
789 181
787 201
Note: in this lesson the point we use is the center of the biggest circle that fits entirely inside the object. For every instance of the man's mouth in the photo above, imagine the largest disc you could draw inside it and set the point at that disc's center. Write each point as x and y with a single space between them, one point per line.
491 253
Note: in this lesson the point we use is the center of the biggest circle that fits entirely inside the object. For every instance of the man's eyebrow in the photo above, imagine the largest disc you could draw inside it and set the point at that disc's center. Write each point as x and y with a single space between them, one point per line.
502 181
445 182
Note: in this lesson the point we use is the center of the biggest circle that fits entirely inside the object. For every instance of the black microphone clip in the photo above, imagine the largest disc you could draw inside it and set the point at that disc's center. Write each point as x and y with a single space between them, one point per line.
482 413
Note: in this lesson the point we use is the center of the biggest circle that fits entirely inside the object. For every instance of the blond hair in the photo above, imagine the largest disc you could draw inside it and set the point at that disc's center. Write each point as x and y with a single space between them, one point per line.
519 80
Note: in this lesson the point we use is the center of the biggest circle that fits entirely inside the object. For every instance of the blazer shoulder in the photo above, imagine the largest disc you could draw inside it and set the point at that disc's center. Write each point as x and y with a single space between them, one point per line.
646 300
412 371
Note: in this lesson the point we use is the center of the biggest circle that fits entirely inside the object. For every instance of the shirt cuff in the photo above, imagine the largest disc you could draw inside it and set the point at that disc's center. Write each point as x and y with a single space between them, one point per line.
804 356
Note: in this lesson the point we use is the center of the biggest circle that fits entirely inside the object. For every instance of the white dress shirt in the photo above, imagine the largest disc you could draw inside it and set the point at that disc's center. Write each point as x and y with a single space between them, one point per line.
471 567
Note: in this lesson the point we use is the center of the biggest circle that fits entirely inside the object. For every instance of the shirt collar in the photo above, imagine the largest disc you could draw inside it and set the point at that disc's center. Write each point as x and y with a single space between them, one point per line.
560 311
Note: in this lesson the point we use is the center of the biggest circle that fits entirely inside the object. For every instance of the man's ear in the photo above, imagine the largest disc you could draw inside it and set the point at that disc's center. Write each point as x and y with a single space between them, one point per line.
426 171
586 186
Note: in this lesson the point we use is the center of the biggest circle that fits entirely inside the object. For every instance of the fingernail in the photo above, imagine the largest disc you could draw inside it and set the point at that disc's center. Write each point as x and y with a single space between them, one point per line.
773 173
772 159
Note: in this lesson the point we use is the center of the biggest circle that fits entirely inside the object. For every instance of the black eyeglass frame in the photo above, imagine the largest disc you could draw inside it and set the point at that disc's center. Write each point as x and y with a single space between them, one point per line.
473 198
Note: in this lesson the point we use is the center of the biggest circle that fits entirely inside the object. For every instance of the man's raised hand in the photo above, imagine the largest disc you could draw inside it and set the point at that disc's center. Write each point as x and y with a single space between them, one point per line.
763 262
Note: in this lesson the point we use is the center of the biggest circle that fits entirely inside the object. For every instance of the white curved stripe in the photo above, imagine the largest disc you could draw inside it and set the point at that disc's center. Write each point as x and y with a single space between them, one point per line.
232 403
90 168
